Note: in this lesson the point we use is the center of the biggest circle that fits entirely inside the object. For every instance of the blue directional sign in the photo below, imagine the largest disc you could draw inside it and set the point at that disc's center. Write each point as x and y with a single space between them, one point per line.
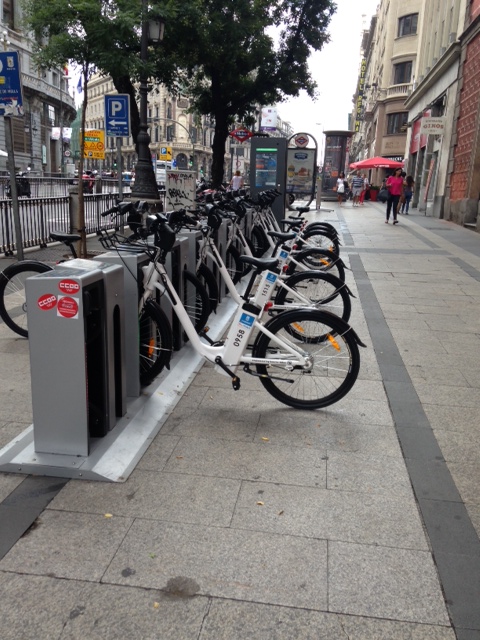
117 115
11 101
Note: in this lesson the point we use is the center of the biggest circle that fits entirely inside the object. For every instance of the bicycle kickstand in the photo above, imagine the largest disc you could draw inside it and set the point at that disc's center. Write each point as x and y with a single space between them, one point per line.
235 378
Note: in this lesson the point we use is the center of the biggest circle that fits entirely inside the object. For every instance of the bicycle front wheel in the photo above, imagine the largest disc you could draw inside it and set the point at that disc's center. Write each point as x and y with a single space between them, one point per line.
323 290
333 360
13 297
155 341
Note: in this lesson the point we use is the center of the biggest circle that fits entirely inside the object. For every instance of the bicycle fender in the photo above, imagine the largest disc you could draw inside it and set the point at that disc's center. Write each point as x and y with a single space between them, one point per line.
344 326
166 321
299 255
6 272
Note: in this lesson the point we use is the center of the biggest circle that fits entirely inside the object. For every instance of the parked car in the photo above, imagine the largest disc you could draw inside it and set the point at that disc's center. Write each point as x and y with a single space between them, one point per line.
88 180
128 178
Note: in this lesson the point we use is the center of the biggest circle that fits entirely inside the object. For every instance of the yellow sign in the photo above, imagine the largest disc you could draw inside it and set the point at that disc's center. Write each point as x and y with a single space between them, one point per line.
94 141
165 153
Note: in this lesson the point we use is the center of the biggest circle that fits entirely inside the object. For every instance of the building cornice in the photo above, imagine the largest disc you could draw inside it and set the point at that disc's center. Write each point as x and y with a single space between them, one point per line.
451 55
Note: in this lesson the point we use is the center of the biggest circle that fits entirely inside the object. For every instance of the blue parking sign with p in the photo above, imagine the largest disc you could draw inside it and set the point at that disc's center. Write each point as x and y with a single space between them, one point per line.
117 115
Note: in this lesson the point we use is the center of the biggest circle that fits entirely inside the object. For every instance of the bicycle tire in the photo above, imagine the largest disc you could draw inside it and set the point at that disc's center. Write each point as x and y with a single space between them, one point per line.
195 300
335 360
259 241
319 259
209 281
13 300
324 290
317 240
233 264
323 227
155 341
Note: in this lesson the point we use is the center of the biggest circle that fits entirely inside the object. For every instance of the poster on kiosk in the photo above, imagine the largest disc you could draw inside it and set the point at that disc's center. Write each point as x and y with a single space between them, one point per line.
268 169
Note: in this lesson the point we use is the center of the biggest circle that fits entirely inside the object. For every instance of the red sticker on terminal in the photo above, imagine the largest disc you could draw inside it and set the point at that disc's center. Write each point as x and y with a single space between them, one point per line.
69 286
67 307
47 301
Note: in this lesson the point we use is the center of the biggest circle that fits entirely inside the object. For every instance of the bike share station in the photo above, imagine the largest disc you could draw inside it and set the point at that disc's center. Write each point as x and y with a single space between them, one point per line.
91 418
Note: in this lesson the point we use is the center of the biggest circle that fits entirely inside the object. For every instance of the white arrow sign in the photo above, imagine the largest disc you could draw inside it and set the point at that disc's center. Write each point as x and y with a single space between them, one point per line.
116 123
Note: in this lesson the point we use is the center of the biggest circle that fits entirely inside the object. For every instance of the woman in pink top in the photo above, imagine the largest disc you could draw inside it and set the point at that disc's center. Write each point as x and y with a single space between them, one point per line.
395 189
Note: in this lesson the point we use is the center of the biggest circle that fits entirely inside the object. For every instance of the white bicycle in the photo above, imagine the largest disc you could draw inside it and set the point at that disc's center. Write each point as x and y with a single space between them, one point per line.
305 358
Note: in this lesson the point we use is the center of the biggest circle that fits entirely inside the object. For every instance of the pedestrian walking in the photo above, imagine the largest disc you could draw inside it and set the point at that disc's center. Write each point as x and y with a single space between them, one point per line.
402 195
366 185
394 185
236 182
408 190
340 188
357 186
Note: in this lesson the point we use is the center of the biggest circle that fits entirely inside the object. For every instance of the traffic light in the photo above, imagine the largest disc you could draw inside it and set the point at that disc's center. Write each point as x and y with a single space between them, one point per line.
190 162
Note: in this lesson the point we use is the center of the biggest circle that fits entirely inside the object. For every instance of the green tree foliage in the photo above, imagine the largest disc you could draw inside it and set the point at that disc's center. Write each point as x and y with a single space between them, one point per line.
238 55
228 57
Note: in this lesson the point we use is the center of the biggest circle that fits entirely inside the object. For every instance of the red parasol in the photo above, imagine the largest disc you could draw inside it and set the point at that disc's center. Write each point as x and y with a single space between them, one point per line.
376 163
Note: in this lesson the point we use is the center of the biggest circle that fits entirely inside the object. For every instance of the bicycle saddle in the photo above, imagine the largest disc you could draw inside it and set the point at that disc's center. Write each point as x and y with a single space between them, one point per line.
261 264
289 235
66 238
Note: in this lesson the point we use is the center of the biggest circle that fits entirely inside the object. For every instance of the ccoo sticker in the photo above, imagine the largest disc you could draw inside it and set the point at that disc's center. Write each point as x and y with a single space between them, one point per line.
69 286
47 301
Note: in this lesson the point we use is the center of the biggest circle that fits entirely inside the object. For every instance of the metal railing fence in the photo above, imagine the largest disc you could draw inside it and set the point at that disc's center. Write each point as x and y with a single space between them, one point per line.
40 216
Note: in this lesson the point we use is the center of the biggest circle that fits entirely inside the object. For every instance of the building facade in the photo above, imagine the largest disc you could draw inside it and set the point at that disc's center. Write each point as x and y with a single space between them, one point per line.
434 95
49 109
389 63
462 193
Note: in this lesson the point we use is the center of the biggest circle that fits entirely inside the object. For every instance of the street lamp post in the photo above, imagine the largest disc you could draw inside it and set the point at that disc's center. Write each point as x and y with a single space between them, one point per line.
145 187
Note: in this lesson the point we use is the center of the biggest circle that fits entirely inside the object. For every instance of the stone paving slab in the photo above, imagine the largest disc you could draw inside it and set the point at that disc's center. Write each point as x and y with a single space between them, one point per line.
227 563
367 474
330 432
248 461
381 582
373 519
163 496
58 546
244 621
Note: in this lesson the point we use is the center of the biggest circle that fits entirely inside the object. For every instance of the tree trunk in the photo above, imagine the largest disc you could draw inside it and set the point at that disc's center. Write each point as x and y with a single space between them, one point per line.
123 84
218 149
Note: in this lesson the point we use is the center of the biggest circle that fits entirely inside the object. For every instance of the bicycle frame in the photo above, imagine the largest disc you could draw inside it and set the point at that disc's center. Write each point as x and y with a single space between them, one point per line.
231 354
209 249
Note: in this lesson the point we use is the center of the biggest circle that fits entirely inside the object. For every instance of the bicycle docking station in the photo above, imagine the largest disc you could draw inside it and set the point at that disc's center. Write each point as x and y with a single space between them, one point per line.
91 418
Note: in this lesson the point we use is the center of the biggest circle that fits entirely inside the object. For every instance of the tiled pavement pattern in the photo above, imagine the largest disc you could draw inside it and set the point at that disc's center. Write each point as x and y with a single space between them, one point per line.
249 520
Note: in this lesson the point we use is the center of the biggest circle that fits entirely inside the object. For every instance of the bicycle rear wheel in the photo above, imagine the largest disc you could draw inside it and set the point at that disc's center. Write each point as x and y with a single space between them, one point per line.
195 300
155 341
319 259
334 360
233 264
13 299
209 281
325 291
315 239
259 241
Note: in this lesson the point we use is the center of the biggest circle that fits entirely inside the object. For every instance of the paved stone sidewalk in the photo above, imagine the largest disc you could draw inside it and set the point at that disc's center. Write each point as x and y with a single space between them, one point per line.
249 520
